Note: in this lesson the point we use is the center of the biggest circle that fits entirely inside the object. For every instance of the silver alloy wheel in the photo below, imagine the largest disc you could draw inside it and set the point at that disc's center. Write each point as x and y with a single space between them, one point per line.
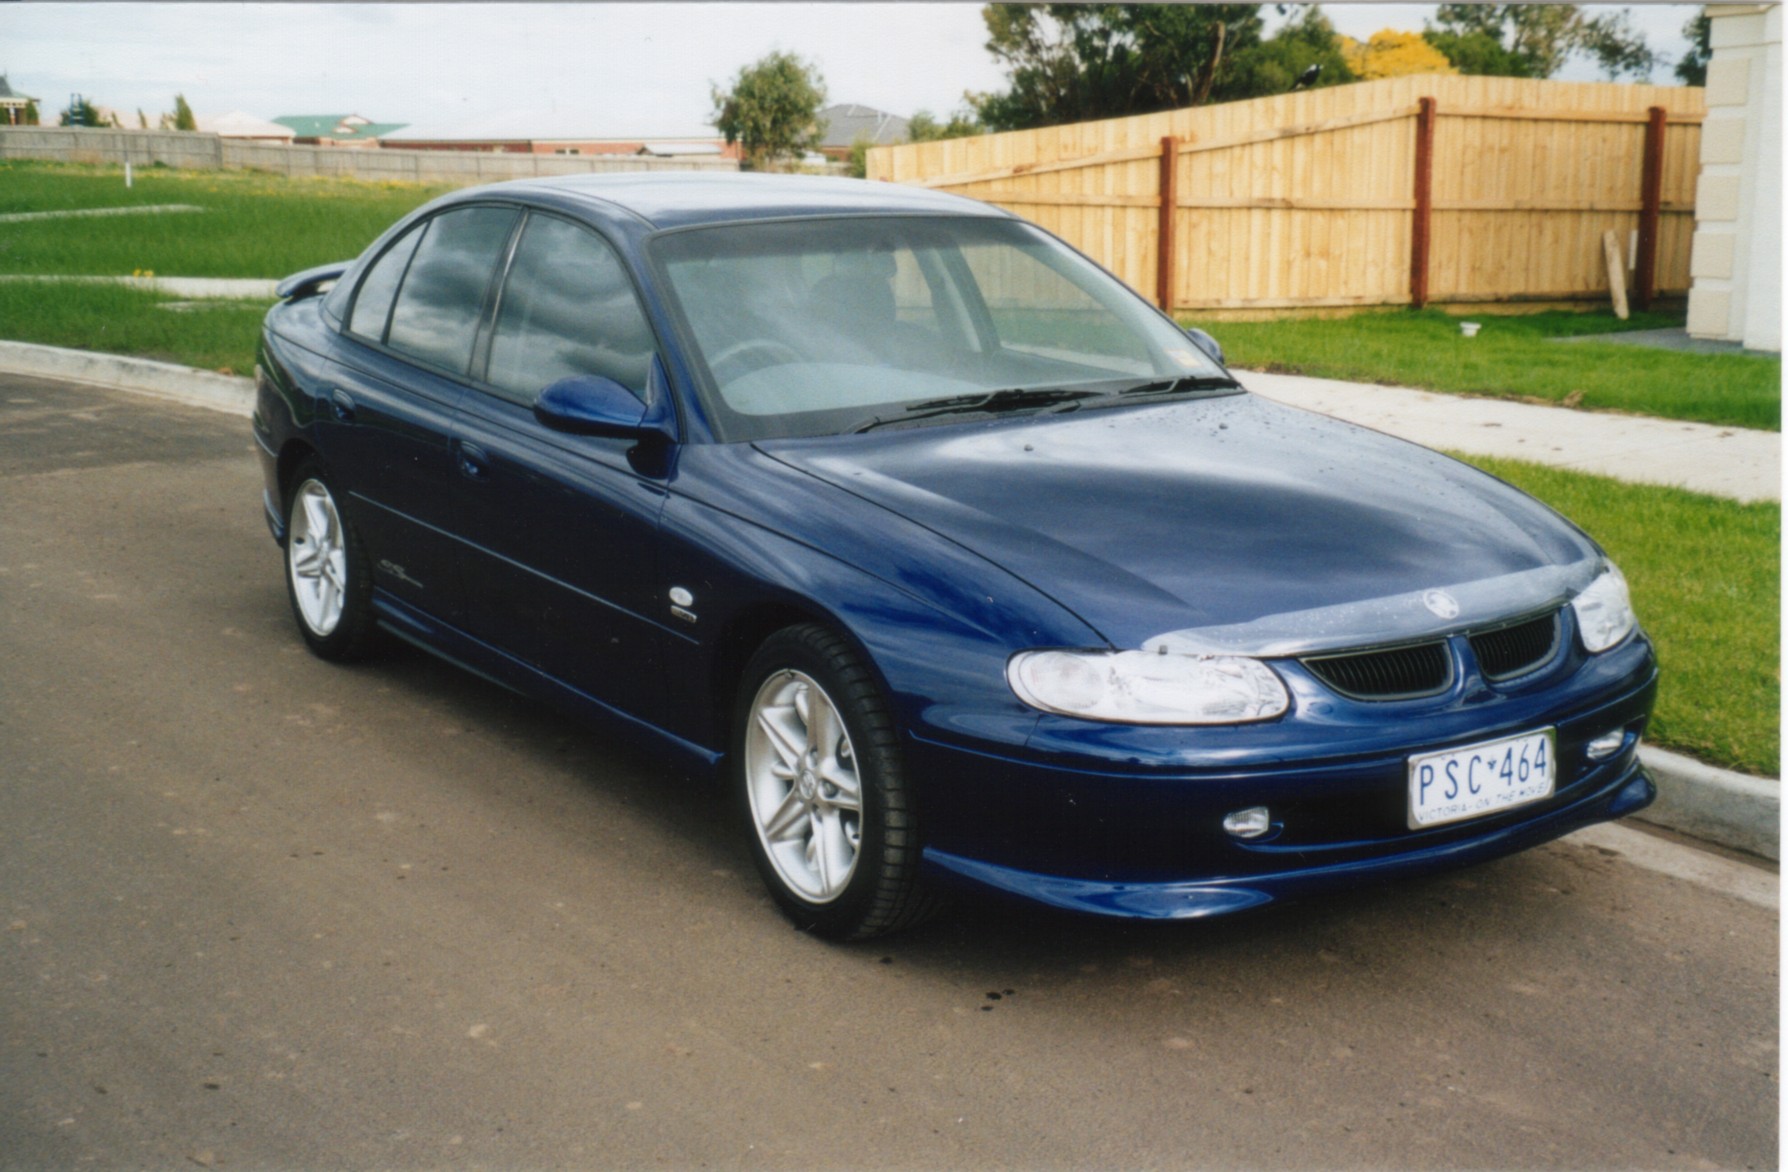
317 558
801 780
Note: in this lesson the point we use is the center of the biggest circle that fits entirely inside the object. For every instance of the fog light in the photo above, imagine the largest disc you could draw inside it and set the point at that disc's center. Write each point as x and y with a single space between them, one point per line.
1607 744
1250 823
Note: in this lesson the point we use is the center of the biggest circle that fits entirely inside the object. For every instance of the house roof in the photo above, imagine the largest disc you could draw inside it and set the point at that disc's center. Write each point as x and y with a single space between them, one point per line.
845 124
6 91
338 126
237 124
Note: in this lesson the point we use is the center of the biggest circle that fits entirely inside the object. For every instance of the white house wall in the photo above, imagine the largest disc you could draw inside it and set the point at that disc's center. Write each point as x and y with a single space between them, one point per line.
1736 262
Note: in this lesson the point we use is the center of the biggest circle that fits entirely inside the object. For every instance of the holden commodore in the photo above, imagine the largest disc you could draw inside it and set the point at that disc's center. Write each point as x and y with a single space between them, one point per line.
958 562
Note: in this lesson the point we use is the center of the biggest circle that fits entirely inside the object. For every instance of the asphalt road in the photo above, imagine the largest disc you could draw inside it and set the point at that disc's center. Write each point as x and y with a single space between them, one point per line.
261 911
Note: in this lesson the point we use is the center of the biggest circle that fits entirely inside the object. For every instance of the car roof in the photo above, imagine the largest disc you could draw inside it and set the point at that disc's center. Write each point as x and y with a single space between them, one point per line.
674 199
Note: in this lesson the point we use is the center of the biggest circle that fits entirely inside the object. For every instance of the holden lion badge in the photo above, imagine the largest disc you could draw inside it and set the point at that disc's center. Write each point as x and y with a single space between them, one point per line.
1443 605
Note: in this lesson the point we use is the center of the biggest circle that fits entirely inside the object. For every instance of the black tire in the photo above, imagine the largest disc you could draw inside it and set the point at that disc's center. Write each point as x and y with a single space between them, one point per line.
797 854
330 595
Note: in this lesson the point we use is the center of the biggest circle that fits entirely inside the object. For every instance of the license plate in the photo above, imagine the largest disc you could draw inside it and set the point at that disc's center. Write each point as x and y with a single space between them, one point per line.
1482 779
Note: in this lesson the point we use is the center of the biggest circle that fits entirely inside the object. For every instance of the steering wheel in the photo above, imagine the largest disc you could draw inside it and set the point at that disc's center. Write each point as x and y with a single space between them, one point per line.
752 354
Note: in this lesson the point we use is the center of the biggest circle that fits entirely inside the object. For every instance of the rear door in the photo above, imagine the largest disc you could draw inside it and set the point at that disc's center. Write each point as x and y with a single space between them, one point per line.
561 571
385 422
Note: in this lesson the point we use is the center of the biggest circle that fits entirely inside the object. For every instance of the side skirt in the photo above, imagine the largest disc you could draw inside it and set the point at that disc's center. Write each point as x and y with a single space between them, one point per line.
449 643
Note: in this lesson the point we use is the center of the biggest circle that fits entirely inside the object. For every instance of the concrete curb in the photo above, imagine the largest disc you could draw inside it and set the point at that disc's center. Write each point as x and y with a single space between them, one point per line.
1732 809
163 380
1718 805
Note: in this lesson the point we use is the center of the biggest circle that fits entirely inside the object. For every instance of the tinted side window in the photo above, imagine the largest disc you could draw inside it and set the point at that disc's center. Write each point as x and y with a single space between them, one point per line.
373 306
568 308
436 315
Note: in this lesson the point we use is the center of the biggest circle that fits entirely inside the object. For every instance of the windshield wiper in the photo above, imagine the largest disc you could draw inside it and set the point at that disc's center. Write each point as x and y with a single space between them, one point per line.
1184 384
1010 399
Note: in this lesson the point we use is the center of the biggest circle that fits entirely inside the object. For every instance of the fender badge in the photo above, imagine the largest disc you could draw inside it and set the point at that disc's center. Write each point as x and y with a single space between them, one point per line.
1441 604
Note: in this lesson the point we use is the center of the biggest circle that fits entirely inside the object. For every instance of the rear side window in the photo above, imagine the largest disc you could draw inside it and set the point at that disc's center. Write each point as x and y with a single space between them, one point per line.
442 297
567 309
372 308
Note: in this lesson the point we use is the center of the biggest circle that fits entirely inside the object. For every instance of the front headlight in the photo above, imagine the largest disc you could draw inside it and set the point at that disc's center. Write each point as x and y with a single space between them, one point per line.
1140 687
1604 611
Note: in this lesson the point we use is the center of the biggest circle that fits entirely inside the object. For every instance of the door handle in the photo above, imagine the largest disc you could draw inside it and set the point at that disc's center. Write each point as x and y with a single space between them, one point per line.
474 464
341 404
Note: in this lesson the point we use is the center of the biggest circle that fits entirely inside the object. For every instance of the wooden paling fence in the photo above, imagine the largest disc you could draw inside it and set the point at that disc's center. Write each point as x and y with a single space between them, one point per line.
1406 191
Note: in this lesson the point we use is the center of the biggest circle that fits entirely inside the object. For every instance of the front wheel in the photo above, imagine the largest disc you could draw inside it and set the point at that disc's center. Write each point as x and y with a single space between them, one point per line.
817 765
327 579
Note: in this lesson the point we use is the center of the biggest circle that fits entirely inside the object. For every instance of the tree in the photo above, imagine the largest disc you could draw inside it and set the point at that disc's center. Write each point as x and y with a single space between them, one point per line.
183 119
31 115
80 112
923 126
771 109
1692 69
1074 62
856 164
1279 63
1390 53
1534 40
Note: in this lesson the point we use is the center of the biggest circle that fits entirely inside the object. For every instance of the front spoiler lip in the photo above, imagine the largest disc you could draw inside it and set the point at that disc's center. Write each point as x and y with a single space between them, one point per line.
1631 790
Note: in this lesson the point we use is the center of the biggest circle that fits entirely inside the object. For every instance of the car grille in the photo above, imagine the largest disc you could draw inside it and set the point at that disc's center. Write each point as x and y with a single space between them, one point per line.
1506 652
1425 669
1396 673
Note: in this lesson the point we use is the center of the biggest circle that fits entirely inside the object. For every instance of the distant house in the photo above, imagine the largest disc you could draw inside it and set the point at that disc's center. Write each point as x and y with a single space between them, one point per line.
12 106
848 123
239 125
523 133
340 130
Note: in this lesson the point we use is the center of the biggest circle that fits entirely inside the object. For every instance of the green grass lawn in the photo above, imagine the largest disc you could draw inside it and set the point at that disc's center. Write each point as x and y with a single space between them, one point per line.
1513 358
213 335
1705 576
253 225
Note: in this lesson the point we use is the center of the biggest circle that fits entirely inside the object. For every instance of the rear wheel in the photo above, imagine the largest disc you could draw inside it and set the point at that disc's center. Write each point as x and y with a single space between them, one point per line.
818 771
327 578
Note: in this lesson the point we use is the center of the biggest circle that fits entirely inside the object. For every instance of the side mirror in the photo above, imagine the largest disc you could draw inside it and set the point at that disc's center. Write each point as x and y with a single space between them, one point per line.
592 404
1206 343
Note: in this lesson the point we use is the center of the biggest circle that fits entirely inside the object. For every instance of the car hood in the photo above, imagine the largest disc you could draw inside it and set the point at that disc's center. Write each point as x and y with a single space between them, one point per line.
1222 524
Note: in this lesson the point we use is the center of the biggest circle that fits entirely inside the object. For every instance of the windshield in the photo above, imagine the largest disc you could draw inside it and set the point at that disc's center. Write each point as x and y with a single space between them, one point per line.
829 325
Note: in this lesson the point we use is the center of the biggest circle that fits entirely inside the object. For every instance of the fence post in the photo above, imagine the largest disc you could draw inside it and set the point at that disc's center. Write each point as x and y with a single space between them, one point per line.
1422 223
1651 198
1164 247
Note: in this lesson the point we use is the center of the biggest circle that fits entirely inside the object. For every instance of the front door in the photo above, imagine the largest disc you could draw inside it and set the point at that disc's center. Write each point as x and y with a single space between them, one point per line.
561 568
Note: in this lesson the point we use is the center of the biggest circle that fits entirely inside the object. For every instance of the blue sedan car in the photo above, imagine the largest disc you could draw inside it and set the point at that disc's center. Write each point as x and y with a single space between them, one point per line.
958 562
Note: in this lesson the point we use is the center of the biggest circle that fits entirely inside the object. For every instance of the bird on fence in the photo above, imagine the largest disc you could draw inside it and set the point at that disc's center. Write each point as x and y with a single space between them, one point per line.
1308 77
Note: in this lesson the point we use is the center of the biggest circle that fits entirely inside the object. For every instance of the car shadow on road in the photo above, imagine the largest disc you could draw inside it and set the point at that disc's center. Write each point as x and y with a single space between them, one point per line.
1394 931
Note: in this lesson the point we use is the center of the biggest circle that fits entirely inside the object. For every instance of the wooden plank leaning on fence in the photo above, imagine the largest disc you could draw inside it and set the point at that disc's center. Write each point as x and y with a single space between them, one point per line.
1617 273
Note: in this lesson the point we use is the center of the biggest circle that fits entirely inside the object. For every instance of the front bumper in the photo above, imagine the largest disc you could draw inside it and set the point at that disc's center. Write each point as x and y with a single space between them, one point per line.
1631 789
1142 836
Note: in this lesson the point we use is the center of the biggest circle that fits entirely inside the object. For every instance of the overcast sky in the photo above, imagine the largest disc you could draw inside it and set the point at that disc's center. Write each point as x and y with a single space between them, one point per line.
578 69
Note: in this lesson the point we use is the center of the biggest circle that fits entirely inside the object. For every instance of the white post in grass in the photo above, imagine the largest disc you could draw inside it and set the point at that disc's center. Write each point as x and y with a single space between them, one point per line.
127 172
